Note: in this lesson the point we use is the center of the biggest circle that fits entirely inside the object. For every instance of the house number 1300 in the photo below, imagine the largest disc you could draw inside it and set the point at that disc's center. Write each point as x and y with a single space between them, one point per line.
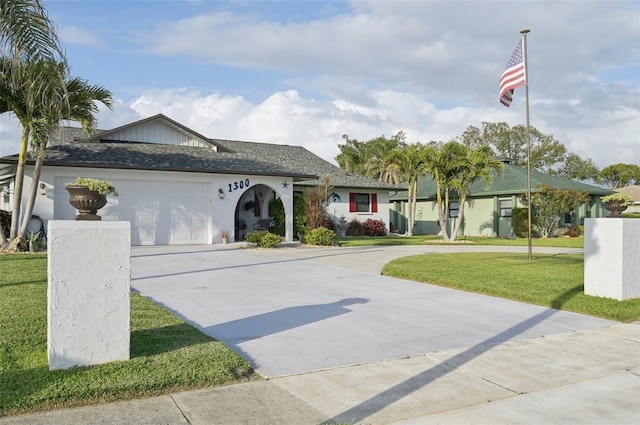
239 185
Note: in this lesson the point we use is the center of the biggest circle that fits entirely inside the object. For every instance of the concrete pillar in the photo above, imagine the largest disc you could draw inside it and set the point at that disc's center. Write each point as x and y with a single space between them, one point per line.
612 258
89 278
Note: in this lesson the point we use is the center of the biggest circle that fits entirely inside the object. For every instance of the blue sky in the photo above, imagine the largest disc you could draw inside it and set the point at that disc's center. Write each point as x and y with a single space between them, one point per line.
307 72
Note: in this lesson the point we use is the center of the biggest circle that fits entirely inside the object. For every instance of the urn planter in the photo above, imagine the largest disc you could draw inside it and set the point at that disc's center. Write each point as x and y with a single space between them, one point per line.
86 201
615 207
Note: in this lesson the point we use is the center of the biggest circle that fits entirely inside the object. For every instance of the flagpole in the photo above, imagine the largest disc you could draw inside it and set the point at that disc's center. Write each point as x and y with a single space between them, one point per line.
524 33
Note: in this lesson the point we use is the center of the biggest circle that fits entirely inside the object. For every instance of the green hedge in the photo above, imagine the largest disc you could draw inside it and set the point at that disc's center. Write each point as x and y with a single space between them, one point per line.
519 223
263 239
320 236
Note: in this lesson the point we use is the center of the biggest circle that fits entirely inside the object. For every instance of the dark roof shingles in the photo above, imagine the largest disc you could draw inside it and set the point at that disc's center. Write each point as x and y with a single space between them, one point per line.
301 159
149 156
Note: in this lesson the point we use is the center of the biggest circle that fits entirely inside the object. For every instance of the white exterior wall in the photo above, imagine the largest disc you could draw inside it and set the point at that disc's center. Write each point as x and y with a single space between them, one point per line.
340 207
220 213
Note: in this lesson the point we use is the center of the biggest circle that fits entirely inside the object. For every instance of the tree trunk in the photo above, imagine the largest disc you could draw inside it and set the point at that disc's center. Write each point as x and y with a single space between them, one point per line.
412 207
17 190
33 191
441 221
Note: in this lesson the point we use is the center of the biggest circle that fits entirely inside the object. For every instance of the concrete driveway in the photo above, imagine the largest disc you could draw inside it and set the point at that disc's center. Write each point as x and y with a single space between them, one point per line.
291 311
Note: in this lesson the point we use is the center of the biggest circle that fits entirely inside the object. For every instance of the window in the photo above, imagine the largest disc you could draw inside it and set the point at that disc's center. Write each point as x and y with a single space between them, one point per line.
4 191
505 207
454 209
363 202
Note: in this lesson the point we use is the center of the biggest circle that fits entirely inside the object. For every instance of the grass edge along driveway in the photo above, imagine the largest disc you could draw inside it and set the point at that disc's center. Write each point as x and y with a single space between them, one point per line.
555 281
167 354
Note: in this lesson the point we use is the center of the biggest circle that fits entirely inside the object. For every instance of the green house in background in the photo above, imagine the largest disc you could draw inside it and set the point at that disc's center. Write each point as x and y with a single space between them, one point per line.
487 211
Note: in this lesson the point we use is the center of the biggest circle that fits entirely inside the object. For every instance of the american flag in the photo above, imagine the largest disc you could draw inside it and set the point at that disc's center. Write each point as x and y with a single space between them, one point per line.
513 76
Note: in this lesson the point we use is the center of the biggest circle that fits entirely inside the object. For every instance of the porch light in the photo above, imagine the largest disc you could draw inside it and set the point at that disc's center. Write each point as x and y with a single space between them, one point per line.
221 193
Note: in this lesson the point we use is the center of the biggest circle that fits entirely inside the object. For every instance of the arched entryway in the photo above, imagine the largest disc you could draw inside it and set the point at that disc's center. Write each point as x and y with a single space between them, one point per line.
259 208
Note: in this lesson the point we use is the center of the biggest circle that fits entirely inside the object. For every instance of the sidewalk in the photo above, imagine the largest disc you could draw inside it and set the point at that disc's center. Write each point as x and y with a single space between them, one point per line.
585 377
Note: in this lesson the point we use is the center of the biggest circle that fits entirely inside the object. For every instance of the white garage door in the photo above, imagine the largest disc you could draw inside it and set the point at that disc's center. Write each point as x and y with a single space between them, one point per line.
160 213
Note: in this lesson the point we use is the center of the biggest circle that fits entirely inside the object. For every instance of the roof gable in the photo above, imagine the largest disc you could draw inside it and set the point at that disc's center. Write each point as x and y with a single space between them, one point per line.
158 129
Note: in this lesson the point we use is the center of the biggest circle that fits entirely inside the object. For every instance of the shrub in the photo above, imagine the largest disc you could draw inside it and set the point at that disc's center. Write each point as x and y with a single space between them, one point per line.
103 187
270 240
254 237
263 239
328 223
299 219
320 236
631 215
374 227
355 228
572 231
623 198
519 222
276 211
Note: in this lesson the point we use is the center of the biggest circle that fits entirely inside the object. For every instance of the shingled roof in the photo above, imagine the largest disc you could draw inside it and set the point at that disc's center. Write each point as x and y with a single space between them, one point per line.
70 148
150 156
513 181
632 191
304 162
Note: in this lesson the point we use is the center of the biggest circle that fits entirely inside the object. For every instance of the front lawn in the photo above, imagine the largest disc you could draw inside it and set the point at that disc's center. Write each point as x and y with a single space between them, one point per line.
555 281
167 354
577 243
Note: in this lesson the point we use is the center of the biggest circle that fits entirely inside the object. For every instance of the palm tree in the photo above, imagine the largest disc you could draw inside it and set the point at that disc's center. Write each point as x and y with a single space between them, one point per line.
26 35
473 165
26 32
79 104
24 96
367 158
408 164
441 166
56 101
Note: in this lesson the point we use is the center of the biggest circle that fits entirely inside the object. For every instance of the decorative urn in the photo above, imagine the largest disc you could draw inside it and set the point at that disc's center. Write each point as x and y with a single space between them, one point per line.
88 195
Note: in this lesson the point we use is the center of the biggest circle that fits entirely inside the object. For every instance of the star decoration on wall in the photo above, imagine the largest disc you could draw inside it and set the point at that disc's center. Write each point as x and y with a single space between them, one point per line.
285 184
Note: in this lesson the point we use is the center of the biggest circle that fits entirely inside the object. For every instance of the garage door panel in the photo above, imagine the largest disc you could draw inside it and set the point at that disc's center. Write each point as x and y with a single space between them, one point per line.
181 236
180 220
198 236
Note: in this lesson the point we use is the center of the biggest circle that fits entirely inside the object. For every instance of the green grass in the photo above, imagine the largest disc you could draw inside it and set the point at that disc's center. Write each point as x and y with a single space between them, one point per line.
549 280
167 354
475 240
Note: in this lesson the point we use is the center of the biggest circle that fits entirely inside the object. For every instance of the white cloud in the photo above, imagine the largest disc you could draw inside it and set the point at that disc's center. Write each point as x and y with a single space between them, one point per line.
288 118
429 69
79 36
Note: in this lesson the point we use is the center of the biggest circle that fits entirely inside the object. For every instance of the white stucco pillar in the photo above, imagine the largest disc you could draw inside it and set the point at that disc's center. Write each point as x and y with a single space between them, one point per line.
612 257
88 304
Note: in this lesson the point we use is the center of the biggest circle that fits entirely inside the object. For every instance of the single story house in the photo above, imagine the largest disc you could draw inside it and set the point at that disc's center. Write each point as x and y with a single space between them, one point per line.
487 211
634 193
177 186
